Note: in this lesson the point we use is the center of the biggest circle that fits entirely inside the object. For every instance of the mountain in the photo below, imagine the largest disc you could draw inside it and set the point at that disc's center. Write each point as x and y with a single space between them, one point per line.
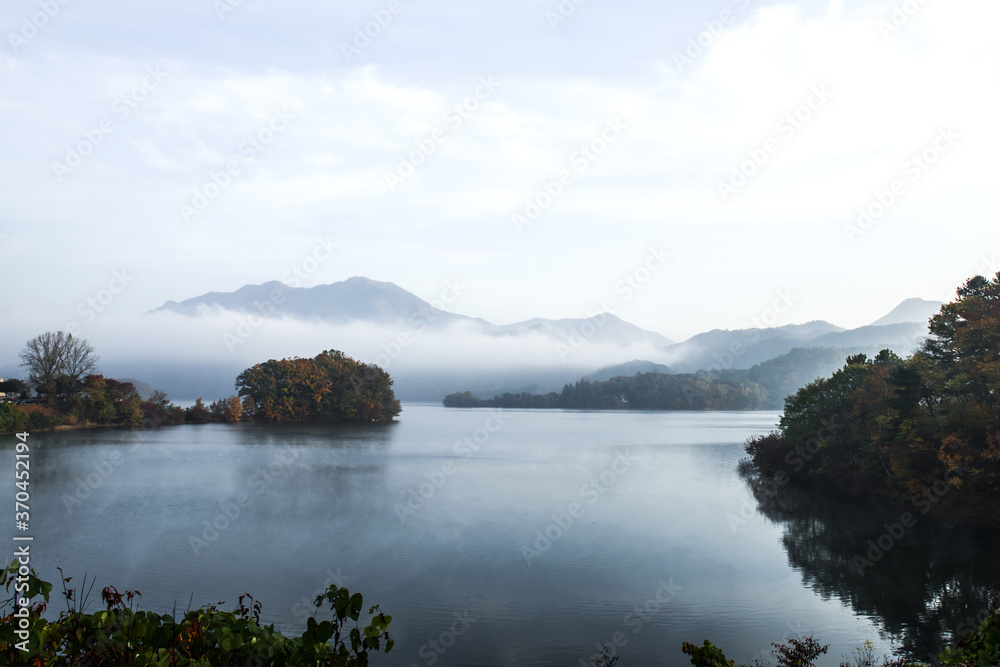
354 299
605 328
742 348
901 338
144 389
780 359
910 310
783 376
628 369
361 299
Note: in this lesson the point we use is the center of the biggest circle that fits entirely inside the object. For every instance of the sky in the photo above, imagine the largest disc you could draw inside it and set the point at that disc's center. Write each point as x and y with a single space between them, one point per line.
690 164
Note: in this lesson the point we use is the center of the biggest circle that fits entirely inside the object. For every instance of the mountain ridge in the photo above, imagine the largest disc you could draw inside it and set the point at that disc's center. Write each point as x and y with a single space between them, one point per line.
367 300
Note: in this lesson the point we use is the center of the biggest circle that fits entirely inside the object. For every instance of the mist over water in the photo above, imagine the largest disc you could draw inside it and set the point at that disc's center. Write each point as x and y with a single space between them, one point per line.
553 530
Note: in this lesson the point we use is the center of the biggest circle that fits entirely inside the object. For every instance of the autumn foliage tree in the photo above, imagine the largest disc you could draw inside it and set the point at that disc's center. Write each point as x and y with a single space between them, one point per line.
330 386
227 409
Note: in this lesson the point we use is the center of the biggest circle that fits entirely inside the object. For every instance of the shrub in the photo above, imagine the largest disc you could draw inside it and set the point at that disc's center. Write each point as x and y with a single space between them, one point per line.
122 635
12 418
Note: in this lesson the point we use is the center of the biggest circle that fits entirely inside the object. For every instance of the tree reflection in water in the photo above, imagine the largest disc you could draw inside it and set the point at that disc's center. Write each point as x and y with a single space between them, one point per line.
932 585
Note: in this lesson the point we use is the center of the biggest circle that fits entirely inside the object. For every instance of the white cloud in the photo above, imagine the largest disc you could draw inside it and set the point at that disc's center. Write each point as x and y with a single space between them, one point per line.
686 130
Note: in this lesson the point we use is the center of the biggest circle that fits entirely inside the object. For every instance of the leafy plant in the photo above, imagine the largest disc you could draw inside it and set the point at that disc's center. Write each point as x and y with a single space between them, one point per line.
121 634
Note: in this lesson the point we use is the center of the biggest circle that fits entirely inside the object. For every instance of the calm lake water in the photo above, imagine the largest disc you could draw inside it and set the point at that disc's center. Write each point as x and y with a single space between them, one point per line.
495 538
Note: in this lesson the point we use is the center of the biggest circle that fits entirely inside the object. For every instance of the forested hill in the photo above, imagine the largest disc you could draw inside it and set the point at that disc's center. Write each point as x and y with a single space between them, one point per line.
726 390
925 429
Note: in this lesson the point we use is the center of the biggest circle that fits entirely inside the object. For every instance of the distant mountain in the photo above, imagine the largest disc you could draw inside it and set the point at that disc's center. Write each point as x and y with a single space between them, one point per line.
144 389
742 348
780 359
628 369
747 347
910 310
604 328
354 299
363 300
785 375
901 338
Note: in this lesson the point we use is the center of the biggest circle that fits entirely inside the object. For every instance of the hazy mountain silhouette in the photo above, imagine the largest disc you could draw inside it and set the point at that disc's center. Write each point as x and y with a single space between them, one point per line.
910 310
364 300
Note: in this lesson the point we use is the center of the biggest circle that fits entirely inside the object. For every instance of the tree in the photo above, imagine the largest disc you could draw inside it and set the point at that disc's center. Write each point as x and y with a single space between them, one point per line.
900 426
57 361
227 409
14 387
198 413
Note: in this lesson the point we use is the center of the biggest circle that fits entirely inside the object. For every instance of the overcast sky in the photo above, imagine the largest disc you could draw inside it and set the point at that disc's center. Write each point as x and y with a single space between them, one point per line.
168 148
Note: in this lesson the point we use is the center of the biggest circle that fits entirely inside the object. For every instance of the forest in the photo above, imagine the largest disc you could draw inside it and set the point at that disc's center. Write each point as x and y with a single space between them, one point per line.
923 430
722 390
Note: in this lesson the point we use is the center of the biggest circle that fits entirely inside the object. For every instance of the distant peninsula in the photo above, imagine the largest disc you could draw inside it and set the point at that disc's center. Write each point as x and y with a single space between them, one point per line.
723 390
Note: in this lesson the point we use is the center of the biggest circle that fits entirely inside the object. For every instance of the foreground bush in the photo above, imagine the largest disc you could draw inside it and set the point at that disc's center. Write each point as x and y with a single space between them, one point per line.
122 635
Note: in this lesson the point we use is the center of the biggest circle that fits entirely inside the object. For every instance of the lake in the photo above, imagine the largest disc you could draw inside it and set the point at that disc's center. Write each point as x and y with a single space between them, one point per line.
514 537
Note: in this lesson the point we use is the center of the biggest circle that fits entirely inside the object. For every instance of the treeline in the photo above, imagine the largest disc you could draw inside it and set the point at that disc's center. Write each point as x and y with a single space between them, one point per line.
329 387
99 401
725 390
924 429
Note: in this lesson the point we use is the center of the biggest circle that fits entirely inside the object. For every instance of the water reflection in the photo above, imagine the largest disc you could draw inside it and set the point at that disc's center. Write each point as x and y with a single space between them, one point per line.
926 589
